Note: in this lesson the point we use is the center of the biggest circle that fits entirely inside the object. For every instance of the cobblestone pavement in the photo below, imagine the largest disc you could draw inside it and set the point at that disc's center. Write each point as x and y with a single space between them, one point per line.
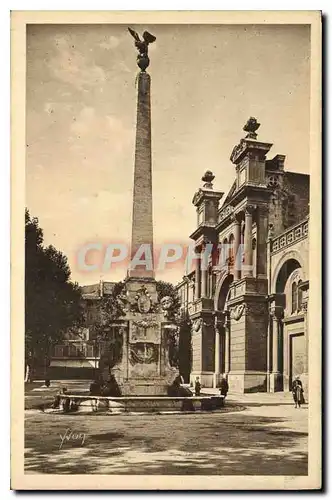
268 437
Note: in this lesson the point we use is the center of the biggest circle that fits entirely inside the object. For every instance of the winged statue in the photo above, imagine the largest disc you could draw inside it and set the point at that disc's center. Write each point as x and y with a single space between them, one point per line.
142 47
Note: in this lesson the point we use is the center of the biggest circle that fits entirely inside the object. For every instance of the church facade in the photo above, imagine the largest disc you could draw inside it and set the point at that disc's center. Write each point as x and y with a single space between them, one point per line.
247 296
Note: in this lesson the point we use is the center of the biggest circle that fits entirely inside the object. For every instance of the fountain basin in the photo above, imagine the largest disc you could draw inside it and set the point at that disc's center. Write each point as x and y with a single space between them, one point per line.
72 403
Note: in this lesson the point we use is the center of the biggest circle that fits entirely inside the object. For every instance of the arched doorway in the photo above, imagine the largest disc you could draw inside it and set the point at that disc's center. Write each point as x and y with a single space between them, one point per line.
289 326
222 344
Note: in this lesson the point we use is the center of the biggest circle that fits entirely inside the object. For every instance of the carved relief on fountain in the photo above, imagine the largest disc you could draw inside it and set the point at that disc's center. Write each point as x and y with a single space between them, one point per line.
144 353
143 303
146 329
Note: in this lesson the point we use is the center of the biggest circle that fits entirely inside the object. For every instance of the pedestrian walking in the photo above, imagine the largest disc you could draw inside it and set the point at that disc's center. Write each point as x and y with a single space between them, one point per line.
297 391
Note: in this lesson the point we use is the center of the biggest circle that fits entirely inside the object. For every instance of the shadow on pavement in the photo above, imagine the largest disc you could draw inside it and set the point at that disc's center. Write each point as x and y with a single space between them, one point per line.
231 444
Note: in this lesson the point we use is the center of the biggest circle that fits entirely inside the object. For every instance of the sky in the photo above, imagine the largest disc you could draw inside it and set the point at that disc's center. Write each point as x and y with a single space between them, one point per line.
206 81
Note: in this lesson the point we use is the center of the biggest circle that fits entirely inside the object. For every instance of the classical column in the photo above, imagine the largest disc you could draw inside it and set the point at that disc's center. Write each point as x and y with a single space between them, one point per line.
275 345
227 346
248 240
216 353
237 242
305 311
191 296
268 352
198 279
276 375
204 277
261 252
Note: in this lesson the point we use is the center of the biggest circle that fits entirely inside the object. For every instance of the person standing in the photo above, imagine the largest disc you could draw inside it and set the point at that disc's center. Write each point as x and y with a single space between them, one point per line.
197 387
297 391
223 386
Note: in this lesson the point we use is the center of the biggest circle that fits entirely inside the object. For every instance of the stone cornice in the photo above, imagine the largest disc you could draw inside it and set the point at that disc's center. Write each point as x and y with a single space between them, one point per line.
202 231
247 145
203 193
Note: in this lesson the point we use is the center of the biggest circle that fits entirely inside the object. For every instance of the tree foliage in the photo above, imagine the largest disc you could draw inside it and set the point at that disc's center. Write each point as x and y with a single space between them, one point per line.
112 307
52 302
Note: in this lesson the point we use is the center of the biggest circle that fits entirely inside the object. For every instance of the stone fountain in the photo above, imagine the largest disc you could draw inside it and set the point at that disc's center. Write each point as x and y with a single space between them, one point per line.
145 367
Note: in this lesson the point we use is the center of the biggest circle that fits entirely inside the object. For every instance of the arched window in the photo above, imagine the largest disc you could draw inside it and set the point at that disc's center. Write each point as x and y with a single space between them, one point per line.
294 297
299 296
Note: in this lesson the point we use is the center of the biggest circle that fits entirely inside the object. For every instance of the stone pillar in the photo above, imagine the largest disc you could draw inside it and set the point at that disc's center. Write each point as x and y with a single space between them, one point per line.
198 279
248 241
268 353
275 345
305 311
216 355
276 375
191 293
204 275
227 346
142 225
237 242
205 260
305 376
262 230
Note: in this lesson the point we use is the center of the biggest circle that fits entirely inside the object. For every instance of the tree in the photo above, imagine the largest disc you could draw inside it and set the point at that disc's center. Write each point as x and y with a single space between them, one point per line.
52 302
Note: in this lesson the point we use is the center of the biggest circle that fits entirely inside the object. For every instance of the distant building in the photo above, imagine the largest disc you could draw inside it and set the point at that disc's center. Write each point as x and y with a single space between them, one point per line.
248 306
79 353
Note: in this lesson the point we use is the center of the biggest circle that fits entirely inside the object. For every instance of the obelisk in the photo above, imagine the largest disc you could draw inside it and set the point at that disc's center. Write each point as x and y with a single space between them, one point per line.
144 368
142 223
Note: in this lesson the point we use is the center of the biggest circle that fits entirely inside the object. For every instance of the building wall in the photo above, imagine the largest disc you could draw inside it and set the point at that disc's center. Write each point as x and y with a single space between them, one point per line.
238 344
256 326
264 343
208 349
298 185
197 351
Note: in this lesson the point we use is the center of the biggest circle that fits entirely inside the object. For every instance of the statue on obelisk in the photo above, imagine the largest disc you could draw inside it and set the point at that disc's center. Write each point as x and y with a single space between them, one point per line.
142 224
142 46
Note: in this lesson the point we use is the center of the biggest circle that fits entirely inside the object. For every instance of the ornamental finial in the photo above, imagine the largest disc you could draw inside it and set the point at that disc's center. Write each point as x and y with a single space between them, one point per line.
207 179
251 126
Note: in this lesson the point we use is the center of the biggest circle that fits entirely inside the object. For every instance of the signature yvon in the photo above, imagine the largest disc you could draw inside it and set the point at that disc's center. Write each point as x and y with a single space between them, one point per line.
70 435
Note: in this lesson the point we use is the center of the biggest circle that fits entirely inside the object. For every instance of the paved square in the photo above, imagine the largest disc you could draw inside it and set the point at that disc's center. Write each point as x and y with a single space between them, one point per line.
269 437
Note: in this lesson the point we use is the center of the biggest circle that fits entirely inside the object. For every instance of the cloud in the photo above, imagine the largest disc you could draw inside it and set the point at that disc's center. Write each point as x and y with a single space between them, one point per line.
71 66
110 43
92 128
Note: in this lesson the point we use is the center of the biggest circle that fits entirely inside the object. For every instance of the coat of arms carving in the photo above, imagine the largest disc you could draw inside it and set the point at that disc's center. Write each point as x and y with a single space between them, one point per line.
143 300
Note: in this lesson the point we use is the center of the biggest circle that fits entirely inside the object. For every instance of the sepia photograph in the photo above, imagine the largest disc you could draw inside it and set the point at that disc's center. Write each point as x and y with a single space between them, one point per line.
166 227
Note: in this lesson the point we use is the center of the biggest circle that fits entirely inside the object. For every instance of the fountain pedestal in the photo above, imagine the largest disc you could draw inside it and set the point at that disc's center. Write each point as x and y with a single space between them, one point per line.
145 367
